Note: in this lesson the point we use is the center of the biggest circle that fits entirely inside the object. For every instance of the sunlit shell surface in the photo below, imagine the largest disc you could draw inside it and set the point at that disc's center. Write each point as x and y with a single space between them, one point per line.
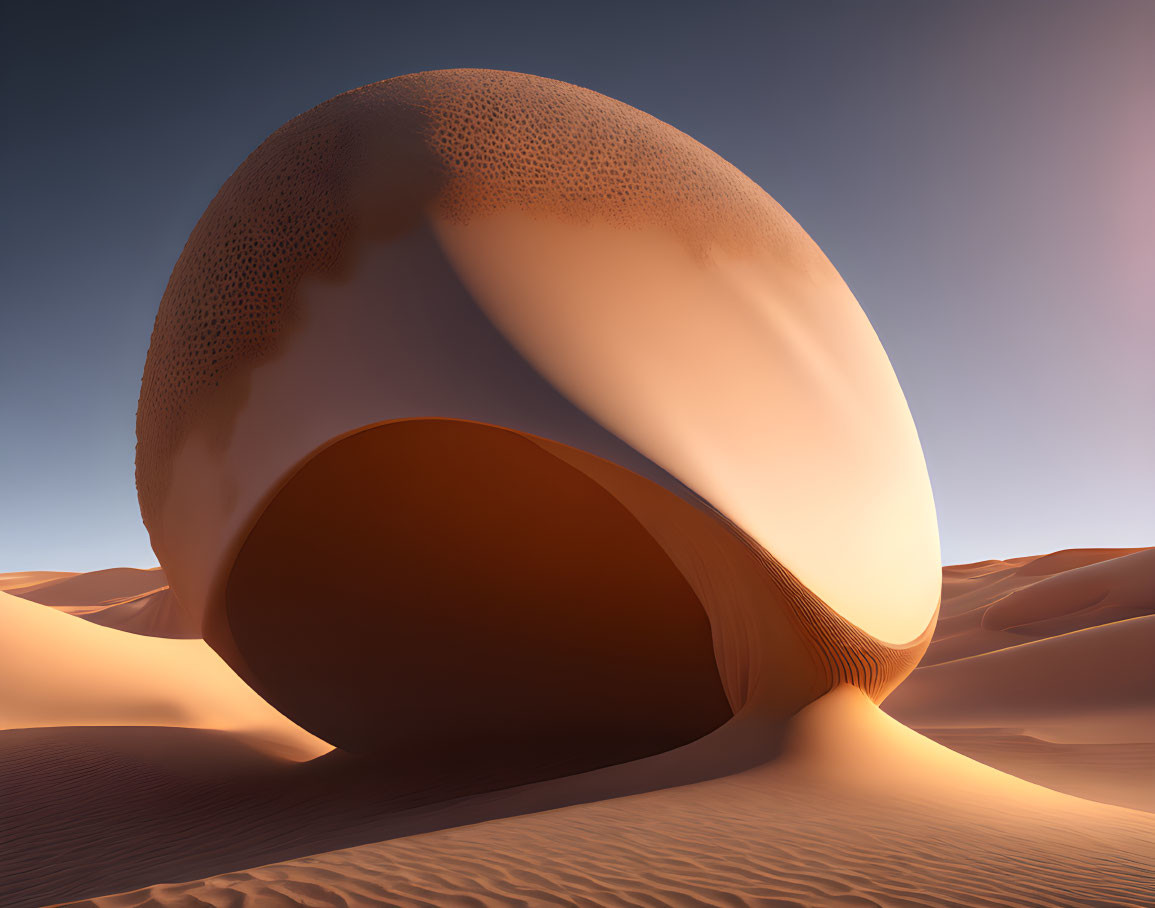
482 396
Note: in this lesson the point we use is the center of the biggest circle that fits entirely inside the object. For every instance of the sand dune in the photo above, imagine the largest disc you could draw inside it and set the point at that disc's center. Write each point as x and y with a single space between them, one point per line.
853 810
990 605
1074 712
56 670
1112 772
91 589
30 579
1072 707
128 599
155 614
155 778
1062 681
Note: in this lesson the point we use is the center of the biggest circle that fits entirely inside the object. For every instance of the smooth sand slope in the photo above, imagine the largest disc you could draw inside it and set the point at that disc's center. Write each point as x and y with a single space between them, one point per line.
1043 667
56 670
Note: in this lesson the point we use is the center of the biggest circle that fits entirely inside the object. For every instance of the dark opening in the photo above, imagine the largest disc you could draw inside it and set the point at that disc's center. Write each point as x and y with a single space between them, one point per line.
450 595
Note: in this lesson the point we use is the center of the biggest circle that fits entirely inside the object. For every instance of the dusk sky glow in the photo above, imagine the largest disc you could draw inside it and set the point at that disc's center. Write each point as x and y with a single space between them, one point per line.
979 172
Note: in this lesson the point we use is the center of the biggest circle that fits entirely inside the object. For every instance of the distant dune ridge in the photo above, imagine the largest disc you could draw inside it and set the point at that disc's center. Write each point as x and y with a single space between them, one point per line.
1043 667
128 599
545 524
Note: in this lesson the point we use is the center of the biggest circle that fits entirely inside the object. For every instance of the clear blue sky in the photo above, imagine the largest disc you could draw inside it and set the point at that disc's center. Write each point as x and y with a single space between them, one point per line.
980 172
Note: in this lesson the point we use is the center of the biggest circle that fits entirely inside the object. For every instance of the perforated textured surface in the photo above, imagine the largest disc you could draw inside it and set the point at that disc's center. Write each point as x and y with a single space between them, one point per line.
371 163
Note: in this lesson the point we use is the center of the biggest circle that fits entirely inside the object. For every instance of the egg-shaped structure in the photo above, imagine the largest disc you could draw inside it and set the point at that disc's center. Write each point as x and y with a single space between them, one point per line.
487 415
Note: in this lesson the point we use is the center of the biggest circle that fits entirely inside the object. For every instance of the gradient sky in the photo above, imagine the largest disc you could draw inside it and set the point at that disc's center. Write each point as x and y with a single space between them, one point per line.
981 173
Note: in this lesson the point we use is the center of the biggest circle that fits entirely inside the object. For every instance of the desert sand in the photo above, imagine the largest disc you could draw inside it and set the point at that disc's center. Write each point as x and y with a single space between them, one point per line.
127 599
57 670
1043 667
132 761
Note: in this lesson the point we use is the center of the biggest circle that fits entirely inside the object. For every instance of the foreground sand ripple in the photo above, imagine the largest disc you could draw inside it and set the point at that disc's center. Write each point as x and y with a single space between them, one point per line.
815 827
727 843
